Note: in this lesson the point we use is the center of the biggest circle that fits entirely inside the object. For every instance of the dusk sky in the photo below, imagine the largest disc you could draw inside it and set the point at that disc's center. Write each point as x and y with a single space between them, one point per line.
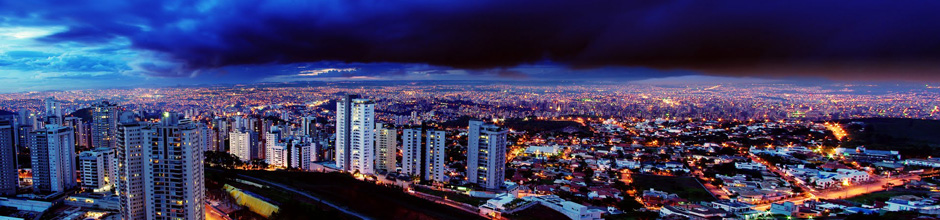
87 44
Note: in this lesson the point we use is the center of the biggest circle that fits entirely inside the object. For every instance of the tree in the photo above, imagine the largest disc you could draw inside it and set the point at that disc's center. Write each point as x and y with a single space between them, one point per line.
628 204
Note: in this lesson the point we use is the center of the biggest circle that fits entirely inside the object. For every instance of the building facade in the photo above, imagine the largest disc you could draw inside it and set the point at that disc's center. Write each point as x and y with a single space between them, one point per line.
412 160
434 158
161 172
362 140
344 115
386 142
104 124
486 154
95 167
130 169
53 155
243 144
8 174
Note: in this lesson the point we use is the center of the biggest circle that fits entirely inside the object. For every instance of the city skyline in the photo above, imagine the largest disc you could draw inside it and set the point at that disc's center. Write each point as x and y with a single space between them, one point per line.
469 110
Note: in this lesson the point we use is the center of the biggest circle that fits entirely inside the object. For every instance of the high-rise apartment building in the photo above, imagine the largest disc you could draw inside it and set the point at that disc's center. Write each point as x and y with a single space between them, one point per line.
130 179
243 144
308 126
355 135
386 142
170 155
486 154
52 151
412 160
362 141
344 111
104 124
434 155
303 153
278 154
95 167
8 174
175 185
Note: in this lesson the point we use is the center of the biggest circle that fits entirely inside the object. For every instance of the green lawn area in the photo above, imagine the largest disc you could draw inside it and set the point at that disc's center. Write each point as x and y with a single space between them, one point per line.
685 187
290 205
453 196
885 195
911 137
379 202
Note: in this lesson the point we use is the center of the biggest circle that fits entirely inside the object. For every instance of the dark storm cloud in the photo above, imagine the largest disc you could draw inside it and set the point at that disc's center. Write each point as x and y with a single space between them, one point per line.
864 38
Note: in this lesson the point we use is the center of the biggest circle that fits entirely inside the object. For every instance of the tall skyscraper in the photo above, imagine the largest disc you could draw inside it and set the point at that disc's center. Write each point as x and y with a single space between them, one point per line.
76 124
434 158
222 127
95 166
175 185
53 155
208 137
24 117
243 144
362 141
52 108
486 154
308 126
104 124
303 154
130 158
8 174
161 169
344 111
274 143
386 142
278 154
412 160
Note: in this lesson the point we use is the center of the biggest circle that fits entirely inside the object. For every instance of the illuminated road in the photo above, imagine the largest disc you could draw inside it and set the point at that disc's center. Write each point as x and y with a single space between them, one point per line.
215 214
856 190
847 192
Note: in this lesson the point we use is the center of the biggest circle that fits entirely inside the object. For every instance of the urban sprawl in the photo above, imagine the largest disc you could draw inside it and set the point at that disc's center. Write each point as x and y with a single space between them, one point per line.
721 151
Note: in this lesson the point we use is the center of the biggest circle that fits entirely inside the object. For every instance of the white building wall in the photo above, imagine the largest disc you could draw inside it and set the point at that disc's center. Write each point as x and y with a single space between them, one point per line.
411 151
363 137
434 159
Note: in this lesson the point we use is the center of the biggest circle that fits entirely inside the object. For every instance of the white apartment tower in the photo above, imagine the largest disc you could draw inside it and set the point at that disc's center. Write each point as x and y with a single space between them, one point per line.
386 141
434 158
175 185
355 135
53 155
302 154
277 154
344 112
243 144
275 149
486 154
412 151
95 166
308 126
362 141
129 155
8 174
103 124
170 155
52 112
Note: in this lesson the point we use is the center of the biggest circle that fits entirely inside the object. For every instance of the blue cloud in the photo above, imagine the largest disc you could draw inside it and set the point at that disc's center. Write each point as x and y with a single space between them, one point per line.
490 37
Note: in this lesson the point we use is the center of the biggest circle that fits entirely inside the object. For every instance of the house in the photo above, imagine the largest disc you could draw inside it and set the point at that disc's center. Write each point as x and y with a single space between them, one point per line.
692 211
913 203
